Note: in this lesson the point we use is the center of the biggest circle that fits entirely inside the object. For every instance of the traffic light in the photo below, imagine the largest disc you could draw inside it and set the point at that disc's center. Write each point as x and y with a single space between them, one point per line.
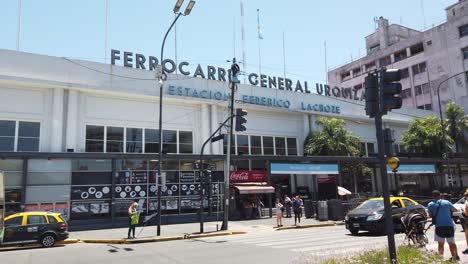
240 120
235 69
388 142
390 90
372 95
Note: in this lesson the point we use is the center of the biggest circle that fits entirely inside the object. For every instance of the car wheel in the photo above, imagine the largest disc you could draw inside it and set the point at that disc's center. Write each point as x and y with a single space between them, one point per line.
354 231
48 240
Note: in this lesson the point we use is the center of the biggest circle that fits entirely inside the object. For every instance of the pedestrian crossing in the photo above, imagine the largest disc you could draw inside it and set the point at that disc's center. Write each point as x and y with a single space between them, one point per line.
316 241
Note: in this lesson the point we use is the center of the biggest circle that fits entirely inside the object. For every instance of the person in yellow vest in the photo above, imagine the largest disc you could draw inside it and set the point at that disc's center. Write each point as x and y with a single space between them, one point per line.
133 219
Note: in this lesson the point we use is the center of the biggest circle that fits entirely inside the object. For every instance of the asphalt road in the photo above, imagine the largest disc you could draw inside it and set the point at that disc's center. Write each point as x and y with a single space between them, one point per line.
263 246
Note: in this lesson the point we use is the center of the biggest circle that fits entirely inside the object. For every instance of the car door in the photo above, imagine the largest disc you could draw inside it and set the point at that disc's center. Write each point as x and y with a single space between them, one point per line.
35 226
397 212
13 230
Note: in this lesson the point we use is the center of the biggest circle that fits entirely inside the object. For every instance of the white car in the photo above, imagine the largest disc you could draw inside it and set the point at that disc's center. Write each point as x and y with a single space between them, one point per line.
460 205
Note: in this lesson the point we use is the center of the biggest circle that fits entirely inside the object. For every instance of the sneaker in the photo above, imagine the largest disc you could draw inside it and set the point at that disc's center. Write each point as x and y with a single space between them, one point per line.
129 237
454 259
465 251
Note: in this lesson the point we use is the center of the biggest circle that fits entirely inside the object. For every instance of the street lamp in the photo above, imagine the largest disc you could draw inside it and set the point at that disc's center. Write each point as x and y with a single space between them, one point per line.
444 140
162 78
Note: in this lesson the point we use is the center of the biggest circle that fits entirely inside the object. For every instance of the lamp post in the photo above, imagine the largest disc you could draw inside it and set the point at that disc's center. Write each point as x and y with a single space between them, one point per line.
162 78
444 140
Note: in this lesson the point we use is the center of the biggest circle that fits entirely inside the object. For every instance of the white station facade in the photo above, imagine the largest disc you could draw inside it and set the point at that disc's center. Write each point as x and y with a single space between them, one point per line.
56 105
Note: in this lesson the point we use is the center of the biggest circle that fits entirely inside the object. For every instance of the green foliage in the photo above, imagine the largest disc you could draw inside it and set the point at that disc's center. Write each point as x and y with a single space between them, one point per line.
457 123
425 136
333 140
405 255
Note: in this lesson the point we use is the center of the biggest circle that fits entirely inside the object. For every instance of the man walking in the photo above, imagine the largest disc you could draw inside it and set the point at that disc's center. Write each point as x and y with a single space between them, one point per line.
297 208
441 212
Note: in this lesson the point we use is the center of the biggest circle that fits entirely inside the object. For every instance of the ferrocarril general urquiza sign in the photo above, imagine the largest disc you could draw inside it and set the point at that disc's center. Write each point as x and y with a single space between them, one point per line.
140 61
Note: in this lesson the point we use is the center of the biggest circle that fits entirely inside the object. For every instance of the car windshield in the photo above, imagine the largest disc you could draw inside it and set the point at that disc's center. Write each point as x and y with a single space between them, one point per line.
372 204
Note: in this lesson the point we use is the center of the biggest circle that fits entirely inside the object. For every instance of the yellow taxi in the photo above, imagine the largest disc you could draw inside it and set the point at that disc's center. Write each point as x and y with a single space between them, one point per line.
44 228
369 216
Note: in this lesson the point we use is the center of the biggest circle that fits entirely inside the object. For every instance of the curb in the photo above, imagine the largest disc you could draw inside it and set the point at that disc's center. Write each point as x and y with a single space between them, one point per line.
309 226
68 241
158 239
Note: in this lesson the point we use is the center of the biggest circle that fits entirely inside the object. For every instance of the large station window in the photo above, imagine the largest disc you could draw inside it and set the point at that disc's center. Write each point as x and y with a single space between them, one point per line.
280 146
268 147
255 145
136 140
94 138
19 135
242 145
292 147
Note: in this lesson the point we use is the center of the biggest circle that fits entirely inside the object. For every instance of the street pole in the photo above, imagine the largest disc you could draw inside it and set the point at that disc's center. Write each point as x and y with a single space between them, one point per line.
201 168
161 81
442 126
227 164
383 173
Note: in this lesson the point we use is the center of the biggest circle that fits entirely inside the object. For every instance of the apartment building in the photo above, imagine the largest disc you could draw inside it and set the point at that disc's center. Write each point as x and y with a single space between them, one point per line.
427 59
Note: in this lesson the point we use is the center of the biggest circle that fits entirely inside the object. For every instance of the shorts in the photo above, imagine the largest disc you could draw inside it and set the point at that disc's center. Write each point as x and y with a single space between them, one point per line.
450 233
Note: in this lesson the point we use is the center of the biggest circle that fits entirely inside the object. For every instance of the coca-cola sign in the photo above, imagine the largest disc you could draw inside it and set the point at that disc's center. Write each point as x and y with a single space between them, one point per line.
247 176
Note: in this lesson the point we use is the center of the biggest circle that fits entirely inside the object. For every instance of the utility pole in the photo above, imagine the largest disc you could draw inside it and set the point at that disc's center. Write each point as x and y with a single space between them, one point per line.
227 164
382 95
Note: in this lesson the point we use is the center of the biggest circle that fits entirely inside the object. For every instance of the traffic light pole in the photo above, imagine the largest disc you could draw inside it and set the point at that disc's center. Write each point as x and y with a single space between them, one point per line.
227 164
383 173
201 170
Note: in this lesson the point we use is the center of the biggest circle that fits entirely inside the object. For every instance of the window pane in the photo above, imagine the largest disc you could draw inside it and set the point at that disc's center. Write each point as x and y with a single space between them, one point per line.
280 151
233 144
152 135
279 142
91 165
185 137
268 142
259 165
268 151
51 219
134 134
7 128
169 136
36 220
255 141
152 148
185 148
7 143
115 133
114 146
292 147
94 146
16 221
95 132
29 129
169 148
242 145
28 144
134 147
370 148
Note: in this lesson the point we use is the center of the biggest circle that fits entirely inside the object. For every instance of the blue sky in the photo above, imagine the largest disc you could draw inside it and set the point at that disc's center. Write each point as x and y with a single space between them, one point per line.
75 29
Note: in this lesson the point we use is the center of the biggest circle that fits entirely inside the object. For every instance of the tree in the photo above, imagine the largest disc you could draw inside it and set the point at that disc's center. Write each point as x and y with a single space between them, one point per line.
333 140
457 123
424 136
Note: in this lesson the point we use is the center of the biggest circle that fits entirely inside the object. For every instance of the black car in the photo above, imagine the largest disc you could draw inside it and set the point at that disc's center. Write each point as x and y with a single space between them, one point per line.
369 216
35 227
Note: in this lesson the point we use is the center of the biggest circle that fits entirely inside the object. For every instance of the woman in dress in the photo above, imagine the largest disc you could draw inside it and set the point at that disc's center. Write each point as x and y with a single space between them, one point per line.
279 213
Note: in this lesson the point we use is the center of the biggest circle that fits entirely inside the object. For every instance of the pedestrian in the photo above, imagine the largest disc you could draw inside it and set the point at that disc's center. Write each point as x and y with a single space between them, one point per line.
297 208
441 212
287 204
133 219
465 220
260 206
279 213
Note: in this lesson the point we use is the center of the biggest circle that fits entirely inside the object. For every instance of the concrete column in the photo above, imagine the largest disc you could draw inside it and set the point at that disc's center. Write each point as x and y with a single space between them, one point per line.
205 127
72 121
57 121
217 147
305 132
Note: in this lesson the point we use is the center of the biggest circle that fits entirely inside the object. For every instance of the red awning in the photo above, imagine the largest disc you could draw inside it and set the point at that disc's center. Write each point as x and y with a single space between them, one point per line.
254 189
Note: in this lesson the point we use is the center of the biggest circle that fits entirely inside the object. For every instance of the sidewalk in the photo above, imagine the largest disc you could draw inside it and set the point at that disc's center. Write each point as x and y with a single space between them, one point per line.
191 228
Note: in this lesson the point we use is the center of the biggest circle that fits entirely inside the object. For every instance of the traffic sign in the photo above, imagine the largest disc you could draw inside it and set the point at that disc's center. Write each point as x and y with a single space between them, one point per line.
393 163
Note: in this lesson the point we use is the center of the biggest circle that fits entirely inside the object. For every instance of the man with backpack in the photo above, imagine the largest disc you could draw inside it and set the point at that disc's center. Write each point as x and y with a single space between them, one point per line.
297 208
441 212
